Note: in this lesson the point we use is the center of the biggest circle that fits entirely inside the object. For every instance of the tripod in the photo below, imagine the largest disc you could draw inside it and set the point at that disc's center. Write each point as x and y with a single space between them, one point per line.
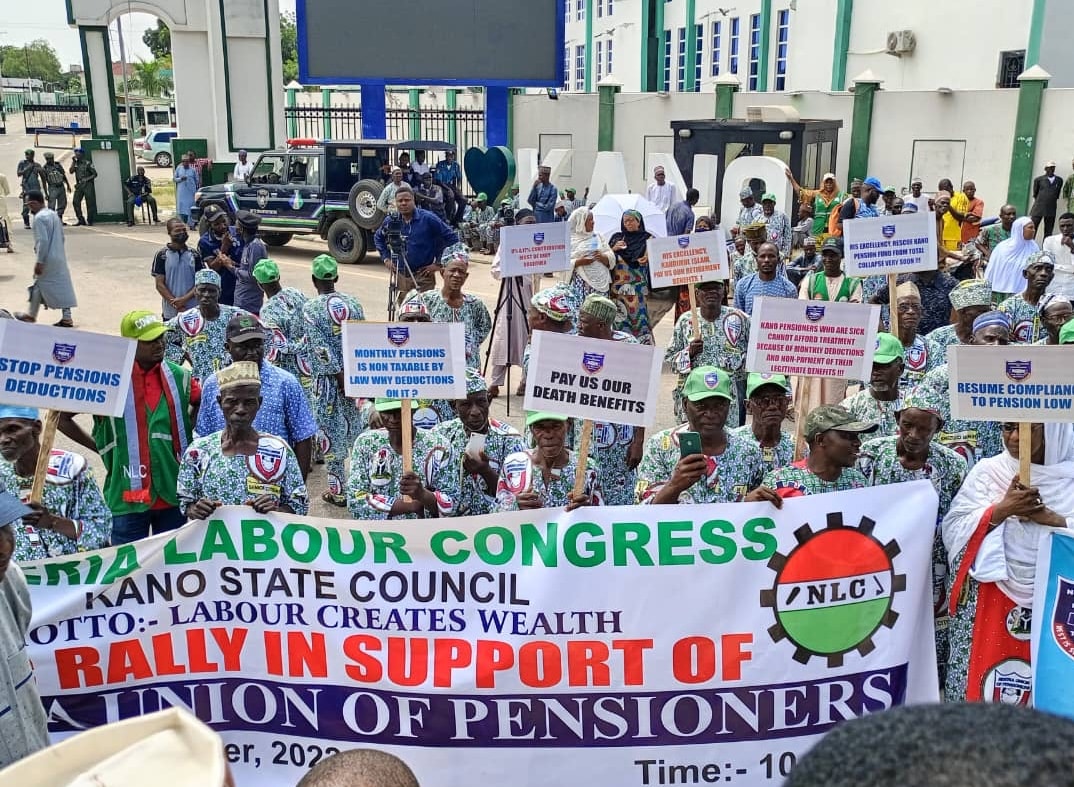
397 247
511 288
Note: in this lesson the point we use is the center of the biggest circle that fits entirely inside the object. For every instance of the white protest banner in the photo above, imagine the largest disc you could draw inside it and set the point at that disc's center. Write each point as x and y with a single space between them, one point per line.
414 360
534 648
64 369
597 379
887 245
535 249
812 338
1012 383
688 259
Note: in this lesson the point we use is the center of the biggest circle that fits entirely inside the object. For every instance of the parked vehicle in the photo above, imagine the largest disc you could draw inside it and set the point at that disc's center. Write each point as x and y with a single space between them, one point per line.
157 146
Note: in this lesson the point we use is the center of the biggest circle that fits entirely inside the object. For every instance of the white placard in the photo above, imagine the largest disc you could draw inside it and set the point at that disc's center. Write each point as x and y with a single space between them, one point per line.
812 338
422 360
535 249
1013 383
600 379
688 259
890 244
64 369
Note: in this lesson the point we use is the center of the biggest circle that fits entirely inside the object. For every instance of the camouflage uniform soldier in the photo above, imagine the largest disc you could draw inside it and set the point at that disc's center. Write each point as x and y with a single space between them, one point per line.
57 183
85 174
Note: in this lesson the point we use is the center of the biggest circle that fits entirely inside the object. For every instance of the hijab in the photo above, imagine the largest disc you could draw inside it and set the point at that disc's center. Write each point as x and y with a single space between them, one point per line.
585 242
829 194
1008 259
635 241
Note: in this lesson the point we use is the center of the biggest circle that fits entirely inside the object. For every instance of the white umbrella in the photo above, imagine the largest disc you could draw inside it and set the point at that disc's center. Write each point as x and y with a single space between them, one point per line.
608 214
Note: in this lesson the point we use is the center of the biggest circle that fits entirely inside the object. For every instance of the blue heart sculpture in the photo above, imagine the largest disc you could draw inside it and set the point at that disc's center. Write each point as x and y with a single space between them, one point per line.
490 170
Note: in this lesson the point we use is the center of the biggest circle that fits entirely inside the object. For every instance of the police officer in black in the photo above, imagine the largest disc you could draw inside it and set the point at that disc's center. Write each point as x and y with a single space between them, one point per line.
139 191
57 183
31 176
85 173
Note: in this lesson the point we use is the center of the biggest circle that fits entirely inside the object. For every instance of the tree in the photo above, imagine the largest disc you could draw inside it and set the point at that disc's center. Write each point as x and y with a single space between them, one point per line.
289 46
158 39
35 60
146 75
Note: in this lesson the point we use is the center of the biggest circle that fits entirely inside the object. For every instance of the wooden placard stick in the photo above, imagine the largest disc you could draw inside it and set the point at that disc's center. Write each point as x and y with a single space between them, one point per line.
693 311
893 304
583 457
408 440
48 436
1025 451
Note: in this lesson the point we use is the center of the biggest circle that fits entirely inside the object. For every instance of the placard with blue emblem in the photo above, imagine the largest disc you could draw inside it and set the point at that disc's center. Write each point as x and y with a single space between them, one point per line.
885 245
410 360
527 249
688 259
1016 382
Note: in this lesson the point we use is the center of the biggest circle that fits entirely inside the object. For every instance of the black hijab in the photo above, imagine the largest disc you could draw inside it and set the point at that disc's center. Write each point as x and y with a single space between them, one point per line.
635 241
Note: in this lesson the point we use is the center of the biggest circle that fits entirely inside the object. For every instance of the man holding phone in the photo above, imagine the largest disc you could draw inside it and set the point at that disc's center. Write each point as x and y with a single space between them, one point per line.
700 461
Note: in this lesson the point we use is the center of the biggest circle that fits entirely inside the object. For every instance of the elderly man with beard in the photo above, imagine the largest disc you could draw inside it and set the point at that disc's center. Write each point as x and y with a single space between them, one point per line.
729 465
969 300
881 399
544 476
768 399
464 467
1027 327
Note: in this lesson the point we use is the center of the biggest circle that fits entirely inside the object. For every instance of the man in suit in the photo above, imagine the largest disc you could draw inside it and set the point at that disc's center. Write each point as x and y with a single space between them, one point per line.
1046 190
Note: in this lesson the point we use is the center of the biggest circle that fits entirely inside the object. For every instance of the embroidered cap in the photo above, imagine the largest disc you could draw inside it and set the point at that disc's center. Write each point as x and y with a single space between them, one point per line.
239 373
553 303
924 398
207 276
475 383
971 292
599 308
145 326
991 318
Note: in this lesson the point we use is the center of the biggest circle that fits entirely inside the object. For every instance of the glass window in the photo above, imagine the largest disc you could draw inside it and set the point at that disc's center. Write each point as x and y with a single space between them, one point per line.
610 7
600 8
732 64
755 49
1011 64
716 30
304 169
680 71
809 168
599 58
783 37
579 67
270 169
667 61
566 68
579 10
608 55
699 55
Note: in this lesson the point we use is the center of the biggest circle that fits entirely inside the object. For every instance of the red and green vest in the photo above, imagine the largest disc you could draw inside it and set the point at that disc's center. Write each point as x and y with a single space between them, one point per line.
141 450
818 288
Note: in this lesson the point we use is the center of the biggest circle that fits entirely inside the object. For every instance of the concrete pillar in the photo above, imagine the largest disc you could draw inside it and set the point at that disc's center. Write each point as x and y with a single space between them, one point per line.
588 46
100 87
690 83
844 12
606 91
292 101
326 114
726 87
413 103
765 45
865 86
374 119
1036 29
1031 85
452 121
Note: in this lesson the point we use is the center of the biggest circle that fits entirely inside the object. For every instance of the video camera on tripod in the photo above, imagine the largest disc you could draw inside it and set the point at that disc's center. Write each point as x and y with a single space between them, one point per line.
507 216
396 242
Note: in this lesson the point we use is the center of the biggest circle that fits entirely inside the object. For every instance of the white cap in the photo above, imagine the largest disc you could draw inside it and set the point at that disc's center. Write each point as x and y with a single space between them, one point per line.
166 749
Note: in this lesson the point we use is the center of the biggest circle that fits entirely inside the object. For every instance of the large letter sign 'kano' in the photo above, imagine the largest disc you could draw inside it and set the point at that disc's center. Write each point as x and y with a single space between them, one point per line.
834 590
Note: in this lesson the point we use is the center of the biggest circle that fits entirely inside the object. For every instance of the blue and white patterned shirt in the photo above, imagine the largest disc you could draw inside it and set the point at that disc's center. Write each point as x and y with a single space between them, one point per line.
285 410
753 286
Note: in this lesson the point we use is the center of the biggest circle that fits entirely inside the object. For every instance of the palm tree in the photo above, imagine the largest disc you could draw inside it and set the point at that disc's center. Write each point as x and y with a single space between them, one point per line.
146 75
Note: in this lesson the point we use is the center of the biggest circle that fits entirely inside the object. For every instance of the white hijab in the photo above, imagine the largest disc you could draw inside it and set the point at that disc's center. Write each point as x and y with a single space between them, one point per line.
585 242
1008 554
1008 259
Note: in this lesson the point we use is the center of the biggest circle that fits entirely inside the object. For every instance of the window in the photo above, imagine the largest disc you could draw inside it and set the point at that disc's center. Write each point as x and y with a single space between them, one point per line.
732 63
600 8
270 169
699 55
609 8
599 58
579 10
566 13
608 56
667 61
783 36
680 70
579 67
716 31
755 49
567 67
1011 64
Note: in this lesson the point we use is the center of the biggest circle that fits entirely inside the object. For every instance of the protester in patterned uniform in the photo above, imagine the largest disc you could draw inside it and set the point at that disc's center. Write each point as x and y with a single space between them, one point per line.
616 448
1023 308
917 362
911 456
463 474
284 410
992 534
778 226
833 434
1055 312
377 487
750 212
730 464
427 413
543 476
72 516
475 229
141 449
451 304
973 440
740 256
768 398
199 334
239 466
281 314
336 414
970 299
550 310
881 399
725 337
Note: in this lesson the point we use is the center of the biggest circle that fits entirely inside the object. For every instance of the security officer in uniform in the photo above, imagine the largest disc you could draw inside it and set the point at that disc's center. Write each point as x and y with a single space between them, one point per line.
85 174
30 176
57 183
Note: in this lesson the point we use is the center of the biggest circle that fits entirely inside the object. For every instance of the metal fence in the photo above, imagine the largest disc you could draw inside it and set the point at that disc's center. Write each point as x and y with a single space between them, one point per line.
402 124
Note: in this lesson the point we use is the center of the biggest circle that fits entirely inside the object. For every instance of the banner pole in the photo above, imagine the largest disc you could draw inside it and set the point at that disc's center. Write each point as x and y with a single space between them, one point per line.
408 440
693 311
583 457
1025 451
893 304
801 396
48 436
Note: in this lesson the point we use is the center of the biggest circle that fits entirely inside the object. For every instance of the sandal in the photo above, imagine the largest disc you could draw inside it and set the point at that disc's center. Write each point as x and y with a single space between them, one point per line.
64 324
334 500
24 317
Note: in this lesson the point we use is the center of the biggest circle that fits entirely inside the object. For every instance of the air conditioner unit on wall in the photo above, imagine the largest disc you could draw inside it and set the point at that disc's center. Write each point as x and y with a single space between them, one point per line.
901 42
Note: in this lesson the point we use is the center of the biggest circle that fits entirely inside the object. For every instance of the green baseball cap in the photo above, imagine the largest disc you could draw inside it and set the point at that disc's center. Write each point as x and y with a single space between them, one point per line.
482 197
832 416
705 382
755 381
768 196
888 348
1066 333
145 326
383 404
325 267
534 416
266 271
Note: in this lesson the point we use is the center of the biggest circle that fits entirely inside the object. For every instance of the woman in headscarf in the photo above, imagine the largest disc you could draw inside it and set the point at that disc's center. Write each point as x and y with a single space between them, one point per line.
509 337
1055 312
825 199
630 278
591 260
1008 260
992 535
682 299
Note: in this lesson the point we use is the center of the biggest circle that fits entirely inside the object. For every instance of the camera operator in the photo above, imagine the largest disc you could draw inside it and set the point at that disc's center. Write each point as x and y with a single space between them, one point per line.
419 237
505 217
